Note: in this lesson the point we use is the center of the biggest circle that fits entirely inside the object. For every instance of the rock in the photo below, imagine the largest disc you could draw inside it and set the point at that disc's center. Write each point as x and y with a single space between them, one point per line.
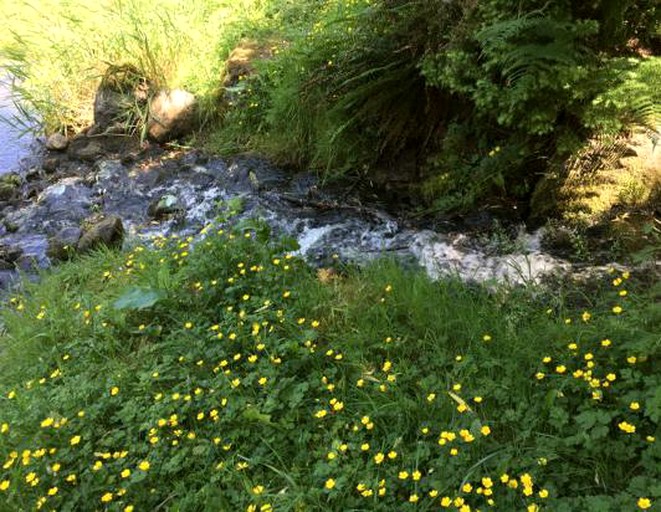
63 245
51 164
10 226
108 232
85 149
9 256
171 115
164 206
33 174
57 142
69 196
122 90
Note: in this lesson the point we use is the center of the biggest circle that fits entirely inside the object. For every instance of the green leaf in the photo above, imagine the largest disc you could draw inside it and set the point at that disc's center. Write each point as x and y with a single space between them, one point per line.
137 298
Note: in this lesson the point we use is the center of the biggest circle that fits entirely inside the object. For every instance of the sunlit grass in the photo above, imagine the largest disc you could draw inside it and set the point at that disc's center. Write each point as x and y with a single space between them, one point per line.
60 50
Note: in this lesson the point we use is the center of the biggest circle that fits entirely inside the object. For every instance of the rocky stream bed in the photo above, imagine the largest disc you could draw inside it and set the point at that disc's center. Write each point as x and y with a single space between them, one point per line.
96 192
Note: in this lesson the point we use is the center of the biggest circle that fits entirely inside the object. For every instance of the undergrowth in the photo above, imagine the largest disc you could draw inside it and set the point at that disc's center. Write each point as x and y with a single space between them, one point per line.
223 373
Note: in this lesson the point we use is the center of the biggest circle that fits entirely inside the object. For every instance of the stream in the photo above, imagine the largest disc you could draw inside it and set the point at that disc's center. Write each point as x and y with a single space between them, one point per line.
13 147
179 192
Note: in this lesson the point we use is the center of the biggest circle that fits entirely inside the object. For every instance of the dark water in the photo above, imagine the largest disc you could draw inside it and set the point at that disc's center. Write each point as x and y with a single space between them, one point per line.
13 147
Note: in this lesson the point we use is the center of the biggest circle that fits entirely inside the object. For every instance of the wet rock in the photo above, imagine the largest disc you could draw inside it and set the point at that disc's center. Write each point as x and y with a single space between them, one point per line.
85 149
51 164
57 142
110 172
10 227
166 205
109 232
172 114
68 197
33 174
63 244
9 256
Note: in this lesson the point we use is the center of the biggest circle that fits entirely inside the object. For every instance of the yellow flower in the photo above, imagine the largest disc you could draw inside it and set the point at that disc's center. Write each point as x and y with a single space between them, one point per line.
379 458
128 508
416 475
392 455
4 485
606 343
144 465
586 316
125 473
561 368
413 498
632 359
330 484
188 325
486 338
74 440
617 310
644 503
258 489
52 491
446 501
467 487
626 427
543 493
634 406
107 497
611 377
485 430
403 475
364 447
431 397
114 390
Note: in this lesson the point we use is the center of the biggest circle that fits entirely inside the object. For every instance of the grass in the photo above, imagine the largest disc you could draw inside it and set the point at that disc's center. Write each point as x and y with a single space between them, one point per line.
246 380
173 43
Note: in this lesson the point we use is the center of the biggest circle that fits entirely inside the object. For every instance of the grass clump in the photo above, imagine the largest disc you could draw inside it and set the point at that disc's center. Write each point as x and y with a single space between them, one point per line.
231 370
58 52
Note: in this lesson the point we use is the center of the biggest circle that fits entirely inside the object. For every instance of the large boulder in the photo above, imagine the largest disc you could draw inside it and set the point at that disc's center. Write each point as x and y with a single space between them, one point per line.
172 114
109 233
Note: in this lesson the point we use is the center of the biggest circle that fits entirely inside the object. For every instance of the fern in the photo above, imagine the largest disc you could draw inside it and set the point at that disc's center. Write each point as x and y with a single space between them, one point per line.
530 45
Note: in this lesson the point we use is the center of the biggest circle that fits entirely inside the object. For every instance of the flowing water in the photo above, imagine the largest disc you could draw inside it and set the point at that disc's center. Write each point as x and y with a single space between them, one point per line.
13 147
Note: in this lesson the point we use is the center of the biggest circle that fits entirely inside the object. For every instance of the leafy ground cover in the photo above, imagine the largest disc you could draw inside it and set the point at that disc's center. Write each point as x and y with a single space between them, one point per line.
226 374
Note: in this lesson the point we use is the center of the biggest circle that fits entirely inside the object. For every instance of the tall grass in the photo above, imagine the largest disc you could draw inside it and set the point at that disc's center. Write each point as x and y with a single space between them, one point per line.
58 51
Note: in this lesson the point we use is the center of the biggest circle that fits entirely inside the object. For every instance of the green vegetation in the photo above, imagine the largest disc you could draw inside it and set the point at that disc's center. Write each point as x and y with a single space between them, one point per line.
225 374
481 99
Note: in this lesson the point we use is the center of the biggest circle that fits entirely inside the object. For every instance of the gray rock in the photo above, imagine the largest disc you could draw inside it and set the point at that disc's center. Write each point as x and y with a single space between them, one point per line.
166 205
51 164
172 114
85 149
57 142
108 232
33 174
